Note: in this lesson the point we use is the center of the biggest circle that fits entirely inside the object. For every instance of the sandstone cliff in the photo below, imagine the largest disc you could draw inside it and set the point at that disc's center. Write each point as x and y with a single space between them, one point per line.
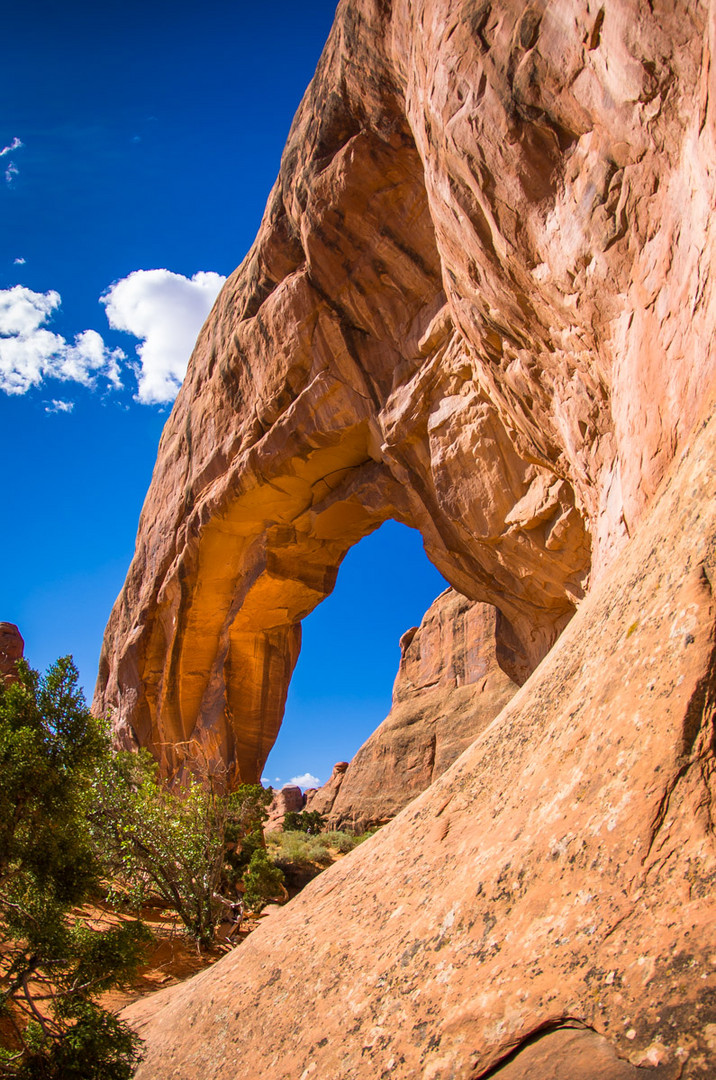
448 688
481 302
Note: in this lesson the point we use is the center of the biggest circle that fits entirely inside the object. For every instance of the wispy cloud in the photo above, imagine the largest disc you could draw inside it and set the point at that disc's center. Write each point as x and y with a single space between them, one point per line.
19 262
12 170
56 406
16 144
306 780
29 353
166 311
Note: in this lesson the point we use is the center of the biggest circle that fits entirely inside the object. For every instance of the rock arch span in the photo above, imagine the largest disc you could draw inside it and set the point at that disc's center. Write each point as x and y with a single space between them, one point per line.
469 289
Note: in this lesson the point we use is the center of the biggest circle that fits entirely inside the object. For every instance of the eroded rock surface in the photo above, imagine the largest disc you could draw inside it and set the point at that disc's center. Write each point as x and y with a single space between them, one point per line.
448 688
560 874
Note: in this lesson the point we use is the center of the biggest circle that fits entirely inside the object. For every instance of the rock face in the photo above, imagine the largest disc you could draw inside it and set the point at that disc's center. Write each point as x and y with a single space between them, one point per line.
322 799
448 688
544 911
12 647
479 303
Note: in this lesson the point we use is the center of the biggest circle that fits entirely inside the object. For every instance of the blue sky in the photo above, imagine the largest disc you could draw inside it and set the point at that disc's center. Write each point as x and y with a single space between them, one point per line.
138 145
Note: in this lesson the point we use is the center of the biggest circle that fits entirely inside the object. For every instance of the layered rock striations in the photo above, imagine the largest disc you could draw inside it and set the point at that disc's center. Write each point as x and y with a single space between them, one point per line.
448 688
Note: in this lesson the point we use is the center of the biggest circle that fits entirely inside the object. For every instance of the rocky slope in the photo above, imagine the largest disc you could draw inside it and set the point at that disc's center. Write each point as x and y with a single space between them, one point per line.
544 911
448 688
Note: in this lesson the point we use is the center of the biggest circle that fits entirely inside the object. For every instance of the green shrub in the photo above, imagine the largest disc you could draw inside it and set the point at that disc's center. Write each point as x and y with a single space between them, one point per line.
191 845
263 881
340 841
308 821
289 848
52 965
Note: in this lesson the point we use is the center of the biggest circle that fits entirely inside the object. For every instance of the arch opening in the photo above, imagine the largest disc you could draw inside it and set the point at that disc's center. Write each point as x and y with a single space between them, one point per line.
342 685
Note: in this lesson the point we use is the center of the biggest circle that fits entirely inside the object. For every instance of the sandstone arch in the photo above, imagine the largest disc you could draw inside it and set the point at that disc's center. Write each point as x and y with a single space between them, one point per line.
456 313
482 301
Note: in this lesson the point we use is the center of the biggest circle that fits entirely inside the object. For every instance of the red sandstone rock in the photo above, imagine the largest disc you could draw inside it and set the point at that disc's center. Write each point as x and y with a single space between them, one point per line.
289 798
479 303
11 649
322 799
448 688
559 874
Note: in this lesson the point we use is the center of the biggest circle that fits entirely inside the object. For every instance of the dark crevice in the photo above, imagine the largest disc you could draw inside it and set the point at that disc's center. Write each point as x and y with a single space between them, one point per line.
534 1036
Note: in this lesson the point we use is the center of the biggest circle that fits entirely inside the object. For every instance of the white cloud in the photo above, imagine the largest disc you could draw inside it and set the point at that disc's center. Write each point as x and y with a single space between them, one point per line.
56 406
19 261
22 311
16 144
306 780
166 311
29 353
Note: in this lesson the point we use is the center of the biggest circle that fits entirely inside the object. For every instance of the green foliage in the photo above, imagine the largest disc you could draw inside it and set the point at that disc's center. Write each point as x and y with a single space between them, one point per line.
263 881
191 845
294 849
340 841
308 821
52 965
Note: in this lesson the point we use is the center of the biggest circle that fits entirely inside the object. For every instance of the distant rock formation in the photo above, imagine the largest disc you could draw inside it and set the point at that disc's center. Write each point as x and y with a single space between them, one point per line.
322 799
286 799
12 648
449 687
